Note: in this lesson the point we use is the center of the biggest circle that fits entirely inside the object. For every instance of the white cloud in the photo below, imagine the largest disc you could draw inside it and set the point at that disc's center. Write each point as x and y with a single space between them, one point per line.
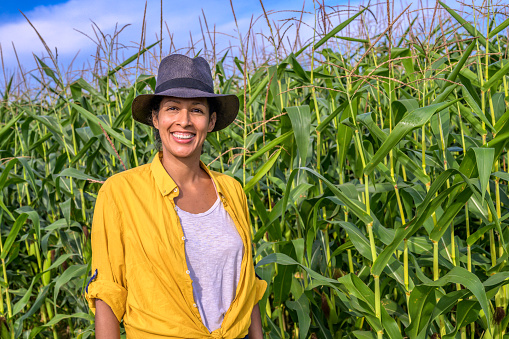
59 26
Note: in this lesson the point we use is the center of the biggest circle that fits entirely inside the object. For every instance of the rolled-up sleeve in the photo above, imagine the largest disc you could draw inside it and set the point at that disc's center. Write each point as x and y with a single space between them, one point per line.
108 282
261 286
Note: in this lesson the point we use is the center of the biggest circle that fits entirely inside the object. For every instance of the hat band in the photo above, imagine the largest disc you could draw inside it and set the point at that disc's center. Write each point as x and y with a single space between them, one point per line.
183 82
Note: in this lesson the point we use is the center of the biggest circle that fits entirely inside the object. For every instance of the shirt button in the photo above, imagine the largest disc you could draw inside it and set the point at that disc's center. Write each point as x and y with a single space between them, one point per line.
194 305
176 190
175 208
187 272
183 238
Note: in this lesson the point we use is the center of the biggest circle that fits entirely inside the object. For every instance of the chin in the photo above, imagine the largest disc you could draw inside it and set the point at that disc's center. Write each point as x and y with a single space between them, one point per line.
181 154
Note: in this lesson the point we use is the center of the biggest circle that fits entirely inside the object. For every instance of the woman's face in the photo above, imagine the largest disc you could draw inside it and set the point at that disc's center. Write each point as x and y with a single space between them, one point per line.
183 124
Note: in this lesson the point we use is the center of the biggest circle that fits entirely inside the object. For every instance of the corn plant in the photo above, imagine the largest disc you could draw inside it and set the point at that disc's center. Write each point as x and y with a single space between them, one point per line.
375 166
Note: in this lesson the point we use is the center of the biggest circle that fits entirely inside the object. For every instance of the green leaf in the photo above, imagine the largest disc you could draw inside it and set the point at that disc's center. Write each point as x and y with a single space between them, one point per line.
473 104
479 233
421 304
41 298
343 138
262 171
469 116
29 172
327 121
34 216
501 121
301 306
353 207
13 233
446 302
126 109
364 334
499 28
94 119
464 57
358 239
83 150
501 175
59 261
427 207
331 33
316 278
58 317
83 84
26 297
459 275
277 141
71 272
465 24
283 279
130 59
485 158
452 209
66 207
496 77
410 122
49 72
410 165
8 125
300 117
358 288
297 68
467 311
75 173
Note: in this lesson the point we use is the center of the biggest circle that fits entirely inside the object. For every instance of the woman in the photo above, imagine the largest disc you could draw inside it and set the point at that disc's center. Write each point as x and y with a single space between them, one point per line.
171 248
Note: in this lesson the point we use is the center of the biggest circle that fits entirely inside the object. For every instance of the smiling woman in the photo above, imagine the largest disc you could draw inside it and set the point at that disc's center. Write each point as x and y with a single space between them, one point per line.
183 124
171 240
155 106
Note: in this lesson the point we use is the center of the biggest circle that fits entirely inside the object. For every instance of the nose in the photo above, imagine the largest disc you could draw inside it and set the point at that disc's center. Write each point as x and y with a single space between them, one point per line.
183 118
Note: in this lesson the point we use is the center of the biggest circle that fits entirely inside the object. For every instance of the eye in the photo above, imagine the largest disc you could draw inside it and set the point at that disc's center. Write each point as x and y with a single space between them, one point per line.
171 108
198 110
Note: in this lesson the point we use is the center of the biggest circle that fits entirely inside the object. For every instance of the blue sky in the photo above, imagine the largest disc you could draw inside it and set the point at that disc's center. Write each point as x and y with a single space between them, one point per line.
9 10
58 22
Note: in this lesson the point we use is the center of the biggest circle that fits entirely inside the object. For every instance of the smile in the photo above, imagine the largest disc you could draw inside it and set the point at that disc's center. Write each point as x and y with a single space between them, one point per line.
183 136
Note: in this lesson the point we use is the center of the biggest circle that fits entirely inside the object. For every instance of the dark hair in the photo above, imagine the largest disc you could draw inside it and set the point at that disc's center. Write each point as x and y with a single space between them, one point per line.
155 105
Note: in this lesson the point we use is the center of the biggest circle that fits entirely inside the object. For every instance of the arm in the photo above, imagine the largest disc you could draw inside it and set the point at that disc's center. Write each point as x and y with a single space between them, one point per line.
255 330
106 291
106 323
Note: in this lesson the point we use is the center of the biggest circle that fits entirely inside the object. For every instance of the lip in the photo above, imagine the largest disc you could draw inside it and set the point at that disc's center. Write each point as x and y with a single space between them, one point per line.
180 140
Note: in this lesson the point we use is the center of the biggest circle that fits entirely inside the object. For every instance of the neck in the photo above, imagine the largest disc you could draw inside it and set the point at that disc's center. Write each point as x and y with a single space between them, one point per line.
182 171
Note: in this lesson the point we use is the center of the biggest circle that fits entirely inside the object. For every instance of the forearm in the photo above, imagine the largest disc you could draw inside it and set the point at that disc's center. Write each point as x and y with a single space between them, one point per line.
106 323
255 330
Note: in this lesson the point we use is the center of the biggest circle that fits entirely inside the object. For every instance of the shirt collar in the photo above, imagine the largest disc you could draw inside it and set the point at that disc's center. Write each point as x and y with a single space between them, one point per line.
165 183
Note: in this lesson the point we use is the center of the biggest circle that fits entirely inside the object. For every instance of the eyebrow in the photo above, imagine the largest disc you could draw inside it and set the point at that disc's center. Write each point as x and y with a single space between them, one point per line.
178 102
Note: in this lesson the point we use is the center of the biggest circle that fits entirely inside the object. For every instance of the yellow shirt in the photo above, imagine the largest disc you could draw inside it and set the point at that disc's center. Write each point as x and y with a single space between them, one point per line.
139 258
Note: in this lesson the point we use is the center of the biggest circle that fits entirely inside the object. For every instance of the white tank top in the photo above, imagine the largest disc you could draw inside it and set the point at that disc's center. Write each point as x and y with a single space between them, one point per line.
214 253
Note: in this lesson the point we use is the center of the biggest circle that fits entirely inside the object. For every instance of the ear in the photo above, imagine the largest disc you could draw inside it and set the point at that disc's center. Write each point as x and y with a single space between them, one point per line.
212 121
154 121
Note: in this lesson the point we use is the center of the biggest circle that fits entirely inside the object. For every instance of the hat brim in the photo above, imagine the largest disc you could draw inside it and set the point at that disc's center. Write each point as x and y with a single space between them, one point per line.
227 105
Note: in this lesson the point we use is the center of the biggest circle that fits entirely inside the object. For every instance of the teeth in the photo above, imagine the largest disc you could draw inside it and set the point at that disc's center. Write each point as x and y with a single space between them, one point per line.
183 135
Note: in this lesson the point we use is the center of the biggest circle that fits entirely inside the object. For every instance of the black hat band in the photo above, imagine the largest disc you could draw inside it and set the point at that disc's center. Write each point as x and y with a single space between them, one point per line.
183 82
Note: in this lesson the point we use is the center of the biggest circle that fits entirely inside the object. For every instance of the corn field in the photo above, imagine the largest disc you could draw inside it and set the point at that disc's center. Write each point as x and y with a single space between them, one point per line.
375 165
